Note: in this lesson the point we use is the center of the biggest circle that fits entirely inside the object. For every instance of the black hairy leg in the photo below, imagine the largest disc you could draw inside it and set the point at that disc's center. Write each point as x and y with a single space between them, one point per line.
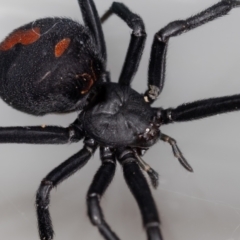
42 134
137 41
157 64
101 180
141 192
55 177
92 21
201 109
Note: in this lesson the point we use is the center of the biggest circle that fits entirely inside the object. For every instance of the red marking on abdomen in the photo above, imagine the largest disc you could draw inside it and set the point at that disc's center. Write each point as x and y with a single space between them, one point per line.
88 82
61 47
24 37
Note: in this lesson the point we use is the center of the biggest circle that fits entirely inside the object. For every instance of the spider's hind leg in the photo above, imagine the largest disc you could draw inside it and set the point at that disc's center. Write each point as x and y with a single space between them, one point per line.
157 64
101 180
141 192
56 176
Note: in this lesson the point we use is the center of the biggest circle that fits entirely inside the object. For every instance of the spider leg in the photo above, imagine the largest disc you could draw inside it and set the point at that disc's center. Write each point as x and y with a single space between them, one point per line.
101 180
55 177
200 109
42 134
137 41
176 151
92 21
142 193
156 70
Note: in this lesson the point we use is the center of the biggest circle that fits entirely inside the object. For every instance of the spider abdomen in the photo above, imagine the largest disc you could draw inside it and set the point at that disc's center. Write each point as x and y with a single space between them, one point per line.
48 66
118 116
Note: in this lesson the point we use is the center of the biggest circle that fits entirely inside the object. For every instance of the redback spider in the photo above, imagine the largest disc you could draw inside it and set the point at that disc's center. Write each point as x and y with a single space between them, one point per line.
187 87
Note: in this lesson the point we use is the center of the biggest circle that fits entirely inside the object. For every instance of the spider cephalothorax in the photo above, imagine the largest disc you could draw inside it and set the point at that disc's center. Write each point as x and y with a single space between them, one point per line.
118 116
57 65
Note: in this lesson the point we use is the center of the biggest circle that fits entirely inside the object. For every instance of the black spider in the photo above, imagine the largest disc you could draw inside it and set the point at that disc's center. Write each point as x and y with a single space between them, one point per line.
57 65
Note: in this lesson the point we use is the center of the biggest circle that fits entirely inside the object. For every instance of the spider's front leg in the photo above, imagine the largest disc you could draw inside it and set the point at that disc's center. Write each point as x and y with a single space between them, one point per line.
156 71
56 176
42 134
200 109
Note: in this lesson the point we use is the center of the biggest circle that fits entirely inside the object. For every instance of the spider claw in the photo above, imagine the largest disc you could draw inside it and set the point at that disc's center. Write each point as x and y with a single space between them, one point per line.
185 164
154 177
178 154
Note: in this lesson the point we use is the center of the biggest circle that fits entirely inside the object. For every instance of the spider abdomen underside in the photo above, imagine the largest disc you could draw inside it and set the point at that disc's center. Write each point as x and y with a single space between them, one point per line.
61 70
117 116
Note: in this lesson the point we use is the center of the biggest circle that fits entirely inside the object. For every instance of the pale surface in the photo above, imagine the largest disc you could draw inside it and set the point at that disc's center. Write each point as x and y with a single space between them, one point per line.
203 63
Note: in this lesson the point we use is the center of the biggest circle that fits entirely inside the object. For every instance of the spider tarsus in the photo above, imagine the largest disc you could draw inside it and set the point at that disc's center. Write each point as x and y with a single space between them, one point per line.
176 151
185 164
154 177
178 154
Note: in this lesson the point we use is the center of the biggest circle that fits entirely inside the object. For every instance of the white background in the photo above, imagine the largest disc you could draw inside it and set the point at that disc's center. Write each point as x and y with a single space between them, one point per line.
202 63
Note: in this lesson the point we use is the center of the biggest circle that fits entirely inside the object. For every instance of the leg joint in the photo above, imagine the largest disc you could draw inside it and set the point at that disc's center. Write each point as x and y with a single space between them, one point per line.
152 93
138 27
75 131
90 145
172 29
133 20
152 224
42 199
126 156
94 195
164 116
94 211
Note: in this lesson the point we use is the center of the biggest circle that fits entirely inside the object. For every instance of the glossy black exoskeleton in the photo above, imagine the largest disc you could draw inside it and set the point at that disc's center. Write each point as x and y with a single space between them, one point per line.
56 65
117 116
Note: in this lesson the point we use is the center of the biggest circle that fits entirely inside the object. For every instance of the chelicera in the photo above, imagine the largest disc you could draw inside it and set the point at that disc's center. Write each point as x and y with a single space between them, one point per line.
56 65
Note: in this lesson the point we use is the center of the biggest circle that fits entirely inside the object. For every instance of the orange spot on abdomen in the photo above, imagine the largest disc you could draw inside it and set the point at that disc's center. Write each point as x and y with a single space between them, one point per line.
24 37
61 47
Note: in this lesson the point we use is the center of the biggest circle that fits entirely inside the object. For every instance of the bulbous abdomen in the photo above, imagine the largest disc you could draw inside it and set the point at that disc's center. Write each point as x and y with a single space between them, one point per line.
48 66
